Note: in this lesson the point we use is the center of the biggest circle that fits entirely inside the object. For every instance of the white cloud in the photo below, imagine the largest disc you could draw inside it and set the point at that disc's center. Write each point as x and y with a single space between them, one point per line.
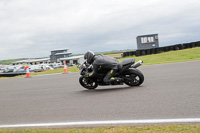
32 28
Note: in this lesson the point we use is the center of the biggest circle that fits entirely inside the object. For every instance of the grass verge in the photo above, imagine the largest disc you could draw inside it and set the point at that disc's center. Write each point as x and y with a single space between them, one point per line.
170 57
140 129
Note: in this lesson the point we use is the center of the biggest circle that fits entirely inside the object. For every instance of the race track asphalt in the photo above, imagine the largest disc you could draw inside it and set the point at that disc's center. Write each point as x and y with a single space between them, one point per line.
169 91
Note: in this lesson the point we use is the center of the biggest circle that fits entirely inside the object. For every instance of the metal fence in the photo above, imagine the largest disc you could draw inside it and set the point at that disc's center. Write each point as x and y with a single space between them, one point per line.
161 49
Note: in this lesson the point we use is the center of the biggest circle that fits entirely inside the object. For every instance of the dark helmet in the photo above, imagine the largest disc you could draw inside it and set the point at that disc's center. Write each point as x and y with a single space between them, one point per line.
89 56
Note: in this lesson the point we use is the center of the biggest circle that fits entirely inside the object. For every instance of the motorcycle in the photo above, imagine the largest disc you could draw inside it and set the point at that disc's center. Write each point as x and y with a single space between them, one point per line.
126 71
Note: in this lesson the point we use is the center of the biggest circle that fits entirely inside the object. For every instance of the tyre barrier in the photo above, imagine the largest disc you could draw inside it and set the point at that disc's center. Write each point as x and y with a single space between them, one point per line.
153 51
166 49
178 46
193 45
124 54
131 53
137 53
158 50
162 49
143 52
148 51
197 44
187 45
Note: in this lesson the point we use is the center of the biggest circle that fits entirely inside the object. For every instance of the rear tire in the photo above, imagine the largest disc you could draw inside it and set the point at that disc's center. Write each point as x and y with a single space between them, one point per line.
89 83
133 77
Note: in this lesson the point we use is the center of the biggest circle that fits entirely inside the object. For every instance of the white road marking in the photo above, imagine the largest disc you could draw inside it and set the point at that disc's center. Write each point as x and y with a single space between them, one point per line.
149 121
55 74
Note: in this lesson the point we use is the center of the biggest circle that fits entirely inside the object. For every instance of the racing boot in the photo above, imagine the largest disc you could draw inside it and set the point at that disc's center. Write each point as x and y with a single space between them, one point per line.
116 81
119 80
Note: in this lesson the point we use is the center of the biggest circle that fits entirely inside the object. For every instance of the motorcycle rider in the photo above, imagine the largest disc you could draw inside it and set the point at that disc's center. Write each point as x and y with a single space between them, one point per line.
100 62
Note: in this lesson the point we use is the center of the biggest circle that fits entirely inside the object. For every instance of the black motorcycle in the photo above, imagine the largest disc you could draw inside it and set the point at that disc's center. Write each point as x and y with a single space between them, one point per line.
126 71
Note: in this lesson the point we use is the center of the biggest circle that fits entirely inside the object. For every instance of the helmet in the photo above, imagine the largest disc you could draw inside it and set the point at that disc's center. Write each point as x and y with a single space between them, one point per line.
89 56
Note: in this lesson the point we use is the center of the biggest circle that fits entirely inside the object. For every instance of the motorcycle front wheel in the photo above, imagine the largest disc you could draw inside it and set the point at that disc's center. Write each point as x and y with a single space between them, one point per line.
133 77
88 83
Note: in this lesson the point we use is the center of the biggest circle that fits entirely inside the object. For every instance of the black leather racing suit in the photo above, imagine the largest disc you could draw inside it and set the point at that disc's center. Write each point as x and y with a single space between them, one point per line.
104 62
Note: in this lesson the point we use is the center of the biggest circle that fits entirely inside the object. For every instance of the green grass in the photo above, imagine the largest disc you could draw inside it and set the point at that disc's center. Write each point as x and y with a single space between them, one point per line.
170 57
139 129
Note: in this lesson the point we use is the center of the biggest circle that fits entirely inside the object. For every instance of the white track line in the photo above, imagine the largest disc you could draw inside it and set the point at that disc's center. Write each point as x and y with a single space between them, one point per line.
89 123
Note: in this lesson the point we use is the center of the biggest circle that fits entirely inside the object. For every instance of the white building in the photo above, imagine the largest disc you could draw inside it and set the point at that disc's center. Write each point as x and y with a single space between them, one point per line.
73 60
33 61
59 53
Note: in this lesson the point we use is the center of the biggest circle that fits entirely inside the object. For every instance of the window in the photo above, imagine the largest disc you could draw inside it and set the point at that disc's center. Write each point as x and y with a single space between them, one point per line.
147 39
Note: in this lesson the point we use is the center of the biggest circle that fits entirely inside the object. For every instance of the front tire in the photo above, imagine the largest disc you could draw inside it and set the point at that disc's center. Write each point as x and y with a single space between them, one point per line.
133 77
88 83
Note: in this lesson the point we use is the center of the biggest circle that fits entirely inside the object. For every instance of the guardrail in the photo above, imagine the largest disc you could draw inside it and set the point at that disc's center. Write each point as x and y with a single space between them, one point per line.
161 49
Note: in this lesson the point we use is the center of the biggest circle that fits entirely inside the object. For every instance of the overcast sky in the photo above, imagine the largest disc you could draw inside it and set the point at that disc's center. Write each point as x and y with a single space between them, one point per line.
32 28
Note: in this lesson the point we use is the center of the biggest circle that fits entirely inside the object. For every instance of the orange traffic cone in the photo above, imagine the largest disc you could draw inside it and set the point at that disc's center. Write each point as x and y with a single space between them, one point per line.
27 72
65 68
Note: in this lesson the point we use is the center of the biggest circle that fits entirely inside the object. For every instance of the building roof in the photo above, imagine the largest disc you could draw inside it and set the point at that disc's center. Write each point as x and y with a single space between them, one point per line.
147 35
73 57
59 49
32 60
63 53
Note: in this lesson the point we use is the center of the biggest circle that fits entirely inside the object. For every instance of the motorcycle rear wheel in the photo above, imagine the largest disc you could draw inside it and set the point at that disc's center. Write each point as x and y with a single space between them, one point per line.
88 83
133 77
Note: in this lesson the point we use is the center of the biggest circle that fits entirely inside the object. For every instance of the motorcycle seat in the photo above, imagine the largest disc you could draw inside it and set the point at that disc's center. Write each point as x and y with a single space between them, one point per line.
127 61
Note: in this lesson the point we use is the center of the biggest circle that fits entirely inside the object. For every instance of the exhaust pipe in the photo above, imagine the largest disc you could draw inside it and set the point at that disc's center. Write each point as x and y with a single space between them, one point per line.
137 64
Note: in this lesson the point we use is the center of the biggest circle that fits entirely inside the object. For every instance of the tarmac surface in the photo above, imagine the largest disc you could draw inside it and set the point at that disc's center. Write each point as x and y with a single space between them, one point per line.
170 91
